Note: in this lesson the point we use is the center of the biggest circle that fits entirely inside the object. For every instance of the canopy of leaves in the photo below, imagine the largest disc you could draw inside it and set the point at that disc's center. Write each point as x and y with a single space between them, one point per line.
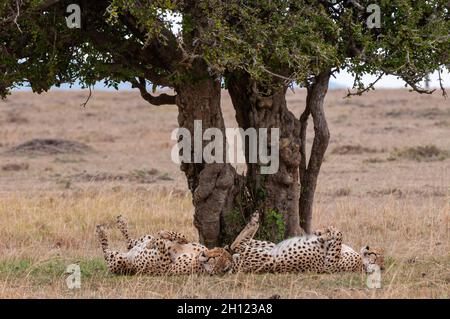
295 40
272 40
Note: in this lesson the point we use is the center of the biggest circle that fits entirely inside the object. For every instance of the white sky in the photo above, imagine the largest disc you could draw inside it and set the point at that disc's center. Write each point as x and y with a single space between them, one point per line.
343 79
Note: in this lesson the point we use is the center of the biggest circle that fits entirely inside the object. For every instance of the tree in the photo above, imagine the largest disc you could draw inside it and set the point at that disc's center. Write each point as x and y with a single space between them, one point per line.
255 49
307 42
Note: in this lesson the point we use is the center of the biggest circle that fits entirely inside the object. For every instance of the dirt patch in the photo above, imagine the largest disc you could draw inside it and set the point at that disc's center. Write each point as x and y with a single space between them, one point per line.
50 147
352 150
443 123
374 160
136 176
420 154
397 192
386 191
428 113
14 167
16 118
343 192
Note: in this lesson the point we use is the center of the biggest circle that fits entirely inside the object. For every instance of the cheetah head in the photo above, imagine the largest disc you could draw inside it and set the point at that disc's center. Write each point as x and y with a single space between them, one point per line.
372 256
216 261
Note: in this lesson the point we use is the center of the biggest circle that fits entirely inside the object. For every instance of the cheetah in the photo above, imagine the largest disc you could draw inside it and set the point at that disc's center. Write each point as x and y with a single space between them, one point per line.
297 254
343 258
319 252
167 254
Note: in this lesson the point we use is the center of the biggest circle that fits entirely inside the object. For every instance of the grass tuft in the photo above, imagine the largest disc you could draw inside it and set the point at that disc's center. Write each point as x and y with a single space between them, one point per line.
426 153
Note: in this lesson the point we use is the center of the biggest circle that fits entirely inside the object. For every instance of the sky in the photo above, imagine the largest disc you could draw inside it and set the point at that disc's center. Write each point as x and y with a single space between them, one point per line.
346 80
342 80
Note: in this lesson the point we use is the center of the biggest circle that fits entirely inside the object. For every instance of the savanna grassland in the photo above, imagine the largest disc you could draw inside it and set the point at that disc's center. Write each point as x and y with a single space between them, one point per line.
385 182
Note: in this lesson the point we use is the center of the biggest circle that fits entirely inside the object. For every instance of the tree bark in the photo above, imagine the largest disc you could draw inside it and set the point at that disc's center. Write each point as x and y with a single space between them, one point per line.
274 195
213 186
316 93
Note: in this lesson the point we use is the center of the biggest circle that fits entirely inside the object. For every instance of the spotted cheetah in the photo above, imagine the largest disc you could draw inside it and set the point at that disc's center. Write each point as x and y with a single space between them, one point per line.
343 258
320 252
168 254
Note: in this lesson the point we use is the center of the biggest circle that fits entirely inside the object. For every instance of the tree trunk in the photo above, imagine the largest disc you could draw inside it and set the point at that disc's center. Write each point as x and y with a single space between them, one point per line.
274 195
308 173
213 186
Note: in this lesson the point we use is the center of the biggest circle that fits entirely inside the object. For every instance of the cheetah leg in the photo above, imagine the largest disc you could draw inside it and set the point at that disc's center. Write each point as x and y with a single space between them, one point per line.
123 227
115 260
102 238
247 233
334 248
173 236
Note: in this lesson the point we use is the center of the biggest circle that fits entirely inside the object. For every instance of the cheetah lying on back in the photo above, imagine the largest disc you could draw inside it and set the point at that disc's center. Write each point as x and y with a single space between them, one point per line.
169 253
320 252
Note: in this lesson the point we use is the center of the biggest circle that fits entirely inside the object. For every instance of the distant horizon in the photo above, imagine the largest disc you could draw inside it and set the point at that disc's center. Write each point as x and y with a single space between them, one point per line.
343 80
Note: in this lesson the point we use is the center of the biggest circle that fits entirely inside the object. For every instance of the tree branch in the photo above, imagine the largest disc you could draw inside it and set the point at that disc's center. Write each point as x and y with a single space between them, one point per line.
125 60
88 98
417 88
444 93
308 175
18 4
368 88
303 126
357 5
287 80
46 4
161 99
164 52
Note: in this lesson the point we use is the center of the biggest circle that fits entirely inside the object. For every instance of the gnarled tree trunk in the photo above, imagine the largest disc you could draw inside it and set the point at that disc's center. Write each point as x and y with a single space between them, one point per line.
275 195
213 186
223 199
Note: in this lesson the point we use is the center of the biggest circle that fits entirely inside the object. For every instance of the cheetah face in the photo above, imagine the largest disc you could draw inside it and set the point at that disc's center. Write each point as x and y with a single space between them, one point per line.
372 256
215 261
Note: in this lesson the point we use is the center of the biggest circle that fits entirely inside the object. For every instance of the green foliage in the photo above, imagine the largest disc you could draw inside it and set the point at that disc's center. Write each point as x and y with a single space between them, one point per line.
300 39
235 222
272 226
47 271
261 194
275 41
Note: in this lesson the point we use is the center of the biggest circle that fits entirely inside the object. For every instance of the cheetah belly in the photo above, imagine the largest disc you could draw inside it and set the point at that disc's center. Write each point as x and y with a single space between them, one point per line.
182 250
350 260
146 260
299 254
185 258
254 259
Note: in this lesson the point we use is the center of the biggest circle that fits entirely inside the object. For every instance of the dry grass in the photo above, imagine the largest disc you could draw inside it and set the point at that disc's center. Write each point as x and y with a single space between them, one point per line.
50 203
41 235
420 153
